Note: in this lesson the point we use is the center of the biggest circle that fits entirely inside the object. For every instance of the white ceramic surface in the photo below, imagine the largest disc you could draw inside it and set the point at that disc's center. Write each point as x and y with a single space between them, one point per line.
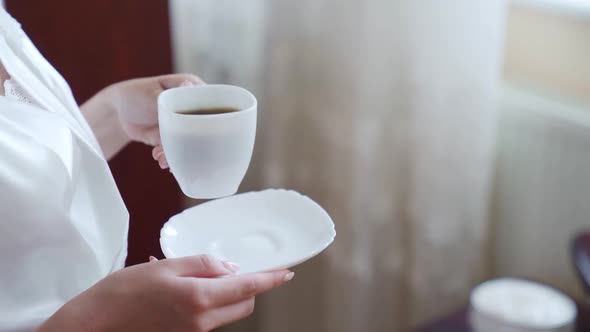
208 154
260 231
515 305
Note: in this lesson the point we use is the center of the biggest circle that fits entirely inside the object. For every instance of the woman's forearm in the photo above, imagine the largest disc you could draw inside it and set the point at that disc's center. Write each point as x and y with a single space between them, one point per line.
65 319
104 121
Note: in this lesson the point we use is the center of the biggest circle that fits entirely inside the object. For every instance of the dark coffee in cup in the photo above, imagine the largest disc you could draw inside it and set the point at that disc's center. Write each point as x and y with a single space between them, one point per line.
208 111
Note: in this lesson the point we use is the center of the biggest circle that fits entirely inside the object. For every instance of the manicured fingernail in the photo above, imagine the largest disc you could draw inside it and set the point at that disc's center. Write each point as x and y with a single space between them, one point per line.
288 276
153 259
231 266
186 83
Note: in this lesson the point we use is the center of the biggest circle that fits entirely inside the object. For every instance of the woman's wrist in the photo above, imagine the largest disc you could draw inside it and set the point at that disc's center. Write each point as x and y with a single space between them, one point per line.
102 115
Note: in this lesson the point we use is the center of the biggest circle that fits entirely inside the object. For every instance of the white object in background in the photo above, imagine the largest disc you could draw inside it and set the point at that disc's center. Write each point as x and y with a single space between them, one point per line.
514 305
260 231
208 154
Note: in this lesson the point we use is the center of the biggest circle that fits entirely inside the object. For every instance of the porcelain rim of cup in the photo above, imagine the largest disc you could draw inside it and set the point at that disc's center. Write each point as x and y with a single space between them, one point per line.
251 108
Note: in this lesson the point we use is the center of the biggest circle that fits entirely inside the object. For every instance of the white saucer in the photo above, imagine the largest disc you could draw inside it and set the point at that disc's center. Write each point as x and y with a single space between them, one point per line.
260 231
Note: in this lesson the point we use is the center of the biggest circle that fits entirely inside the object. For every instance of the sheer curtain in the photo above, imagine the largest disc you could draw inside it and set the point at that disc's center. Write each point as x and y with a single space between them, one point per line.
382 111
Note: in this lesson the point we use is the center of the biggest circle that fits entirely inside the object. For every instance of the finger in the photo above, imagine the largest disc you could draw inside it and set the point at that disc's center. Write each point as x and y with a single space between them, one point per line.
201 266
153 259
163 162
160 157
157 151
218 317
224 291
176 80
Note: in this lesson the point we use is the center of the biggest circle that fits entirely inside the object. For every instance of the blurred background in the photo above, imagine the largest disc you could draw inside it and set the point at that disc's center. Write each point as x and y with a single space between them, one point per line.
449 141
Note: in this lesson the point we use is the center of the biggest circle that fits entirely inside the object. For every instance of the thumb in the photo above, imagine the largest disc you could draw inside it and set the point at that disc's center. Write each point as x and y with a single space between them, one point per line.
201 266
176 80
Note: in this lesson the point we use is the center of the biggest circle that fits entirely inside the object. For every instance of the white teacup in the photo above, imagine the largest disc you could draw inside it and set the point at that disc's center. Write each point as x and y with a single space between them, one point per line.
516 305
208 154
